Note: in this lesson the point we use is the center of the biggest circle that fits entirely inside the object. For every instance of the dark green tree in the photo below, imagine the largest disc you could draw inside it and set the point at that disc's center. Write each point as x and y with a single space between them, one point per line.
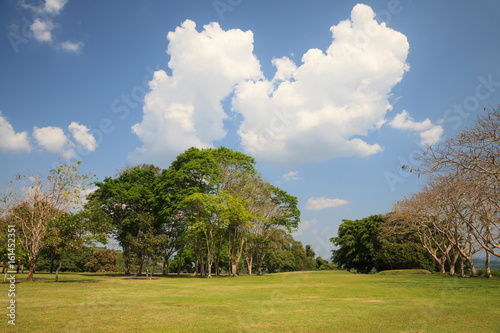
357 243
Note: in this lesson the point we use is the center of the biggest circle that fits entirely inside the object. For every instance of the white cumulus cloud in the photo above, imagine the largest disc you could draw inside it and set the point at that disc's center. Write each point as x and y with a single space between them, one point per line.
54 140
82 136
10 141
54 7
184 109
42 30
318 203
428 132
319 109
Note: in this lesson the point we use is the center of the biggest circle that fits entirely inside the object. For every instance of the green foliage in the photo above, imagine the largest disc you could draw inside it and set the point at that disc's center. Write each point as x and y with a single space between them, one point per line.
327 267
103 260
358 243
402 256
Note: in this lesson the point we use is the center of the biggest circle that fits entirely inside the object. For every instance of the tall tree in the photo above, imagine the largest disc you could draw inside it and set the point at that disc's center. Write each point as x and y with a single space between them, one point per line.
129 201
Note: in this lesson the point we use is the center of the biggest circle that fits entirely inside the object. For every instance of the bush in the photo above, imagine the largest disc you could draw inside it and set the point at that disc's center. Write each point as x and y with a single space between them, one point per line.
482 273
103 260
327 267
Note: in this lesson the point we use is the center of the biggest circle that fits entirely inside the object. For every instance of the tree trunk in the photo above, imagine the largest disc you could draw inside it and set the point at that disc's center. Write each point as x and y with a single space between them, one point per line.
147 272
473 272
442 262
180 262
165 266
31 269
249 264
217 258
5 275
127 268
59 267
487 264
462 272
260 259
139 268
452 262
202 264
195 261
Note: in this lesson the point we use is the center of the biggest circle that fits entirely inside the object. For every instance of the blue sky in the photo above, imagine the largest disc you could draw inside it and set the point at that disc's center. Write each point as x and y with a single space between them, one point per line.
330 97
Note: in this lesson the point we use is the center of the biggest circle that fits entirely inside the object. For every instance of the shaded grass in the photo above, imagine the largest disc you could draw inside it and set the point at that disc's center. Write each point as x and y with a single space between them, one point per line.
322 301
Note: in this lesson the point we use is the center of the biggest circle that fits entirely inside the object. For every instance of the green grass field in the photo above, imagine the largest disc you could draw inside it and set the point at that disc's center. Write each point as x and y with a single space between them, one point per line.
321 301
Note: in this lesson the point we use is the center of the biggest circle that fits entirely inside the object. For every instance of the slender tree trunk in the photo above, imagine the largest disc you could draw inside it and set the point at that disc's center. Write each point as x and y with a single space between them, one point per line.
165 266
196 260
462 272
180 261
487 264
59 267
127 268
217 258
31 269
249 264
147 272
5 275
260 259
22 268
473 272
202 264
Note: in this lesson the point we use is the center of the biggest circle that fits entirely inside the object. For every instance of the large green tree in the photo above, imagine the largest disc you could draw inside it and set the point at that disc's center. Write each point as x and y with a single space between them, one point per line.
129 201
357 243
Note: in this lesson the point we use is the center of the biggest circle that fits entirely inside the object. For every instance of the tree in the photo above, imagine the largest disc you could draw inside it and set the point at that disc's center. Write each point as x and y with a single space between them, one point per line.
103 260
357 243
129 201
33 203
473 156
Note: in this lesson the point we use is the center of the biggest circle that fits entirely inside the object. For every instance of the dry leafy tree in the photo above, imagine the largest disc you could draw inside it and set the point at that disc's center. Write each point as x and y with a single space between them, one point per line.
32 203
462 197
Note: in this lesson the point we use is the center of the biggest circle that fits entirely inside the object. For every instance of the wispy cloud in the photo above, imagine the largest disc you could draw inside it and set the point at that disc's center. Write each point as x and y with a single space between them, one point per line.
292 175
318 203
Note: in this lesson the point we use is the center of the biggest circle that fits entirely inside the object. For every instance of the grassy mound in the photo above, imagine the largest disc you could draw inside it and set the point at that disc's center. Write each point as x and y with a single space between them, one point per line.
405 272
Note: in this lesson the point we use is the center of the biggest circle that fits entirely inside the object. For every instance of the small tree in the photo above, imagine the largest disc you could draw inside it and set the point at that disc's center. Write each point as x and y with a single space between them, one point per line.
33 203
103 260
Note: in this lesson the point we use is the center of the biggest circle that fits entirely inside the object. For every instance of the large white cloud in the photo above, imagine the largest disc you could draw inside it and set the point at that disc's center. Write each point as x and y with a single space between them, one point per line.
184 109
54 140
10 141
322 108
319 110
429 133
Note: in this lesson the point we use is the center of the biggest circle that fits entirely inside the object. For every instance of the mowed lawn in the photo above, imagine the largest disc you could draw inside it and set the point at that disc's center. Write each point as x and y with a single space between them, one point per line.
322 301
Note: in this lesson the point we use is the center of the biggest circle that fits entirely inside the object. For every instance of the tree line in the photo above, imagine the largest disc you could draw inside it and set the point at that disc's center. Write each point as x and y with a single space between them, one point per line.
210 210
454 216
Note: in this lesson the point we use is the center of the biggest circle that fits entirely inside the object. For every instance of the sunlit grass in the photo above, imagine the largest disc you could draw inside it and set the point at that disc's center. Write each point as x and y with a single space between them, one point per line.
322 301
